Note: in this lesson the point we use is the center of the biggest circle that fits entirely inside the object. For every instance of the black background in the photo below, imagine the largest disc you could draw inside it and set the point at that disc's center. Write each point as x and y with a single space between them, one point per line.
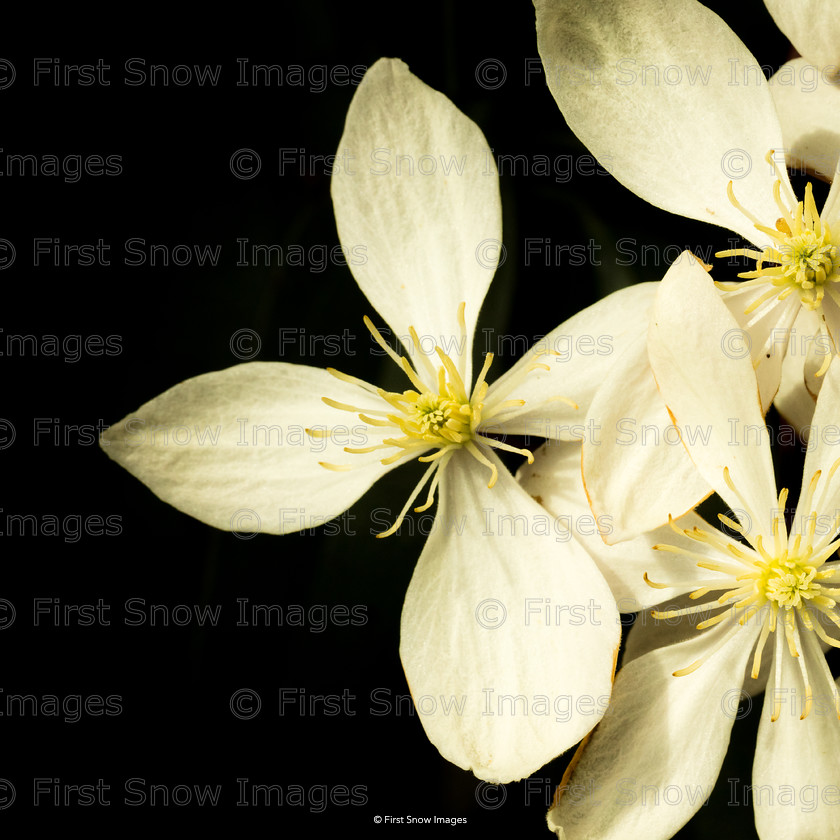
175 187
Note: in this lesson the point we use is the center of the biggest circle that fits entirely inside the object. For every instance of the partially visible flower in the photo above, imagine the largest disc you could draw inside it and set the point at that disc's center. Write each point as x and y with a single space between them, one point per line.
806 90
693 145
470 635
761 607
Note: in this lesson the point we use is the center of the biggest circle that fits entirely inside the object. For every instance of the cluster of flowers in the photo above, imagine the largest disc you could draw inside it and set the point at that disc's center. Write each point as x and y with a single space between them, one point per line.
746 611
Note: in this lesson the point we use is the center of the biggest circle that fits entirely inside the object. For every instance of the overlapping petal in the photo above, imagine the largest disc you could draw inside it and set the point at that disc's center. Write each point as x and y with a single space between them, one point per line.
554 481
635 468
511 624
796 774
823 455
653 760
712 394
579 355
808 105
812 26
647 88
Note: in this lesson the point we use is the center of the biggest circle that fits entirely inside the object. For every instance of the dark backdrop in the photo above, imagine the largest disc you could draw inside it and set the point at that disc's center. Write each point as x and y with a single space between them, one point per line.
138 696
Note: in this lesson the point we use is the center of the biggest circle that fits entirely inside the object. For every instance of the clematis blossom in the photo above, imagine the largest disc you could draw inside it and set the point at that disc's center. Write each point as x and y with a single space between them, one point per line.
711 150
760 608
470 633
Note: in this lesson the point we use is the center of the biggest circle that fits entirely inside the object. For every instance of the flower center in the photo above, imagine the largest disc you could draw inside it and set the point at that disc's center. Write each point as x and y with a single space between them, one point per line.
437 413
788 586
802 258
788 582
810 262
441 419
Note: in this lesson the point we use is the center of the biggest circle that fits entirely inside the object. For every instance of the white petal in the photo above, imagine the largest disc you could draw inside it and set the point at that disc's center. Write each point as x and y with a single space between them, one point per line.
635 467
653 760
554 481
796 774
794 400
711 391
831 208
649 633
812 26
823 454
764 334
677 132
416 197
580 353
808 105
504 604
230 447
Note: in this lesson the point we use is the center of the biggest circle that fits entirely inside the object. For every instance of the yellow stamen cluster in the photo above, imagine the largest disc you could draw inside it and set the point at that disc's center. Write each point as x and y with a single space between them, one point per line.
789 586
803 258
788 582
437 413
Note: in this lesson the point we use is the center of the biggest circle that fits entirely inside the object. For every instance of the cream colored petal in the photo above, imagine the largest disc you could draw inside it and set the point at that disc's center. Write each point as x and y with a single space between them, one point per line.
653 760
554 481
808 104
416 197
764 334
795 400
812 26
712 393
579 355
823 455
831 209
508 621
647 87
796 774
649 633
635 467
230 447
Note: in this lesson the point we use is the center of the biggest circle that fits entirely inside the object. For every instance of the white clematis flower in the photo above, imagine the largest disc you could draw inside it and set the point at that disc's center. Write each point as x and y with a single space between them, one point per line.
762 606
470 633
806 90
694 145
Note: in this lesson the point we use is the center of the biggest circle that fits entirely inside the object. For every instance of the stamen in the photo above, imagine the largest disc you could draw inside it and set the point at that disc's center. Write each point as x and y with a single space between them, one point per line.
414 493
477 454
777 690
696 664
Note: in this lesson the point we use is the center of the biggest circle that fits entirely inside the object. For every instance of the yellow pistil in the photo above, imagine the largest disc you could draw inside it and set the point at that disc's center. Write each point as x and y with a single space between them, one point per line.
438 413
803 258
790 587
